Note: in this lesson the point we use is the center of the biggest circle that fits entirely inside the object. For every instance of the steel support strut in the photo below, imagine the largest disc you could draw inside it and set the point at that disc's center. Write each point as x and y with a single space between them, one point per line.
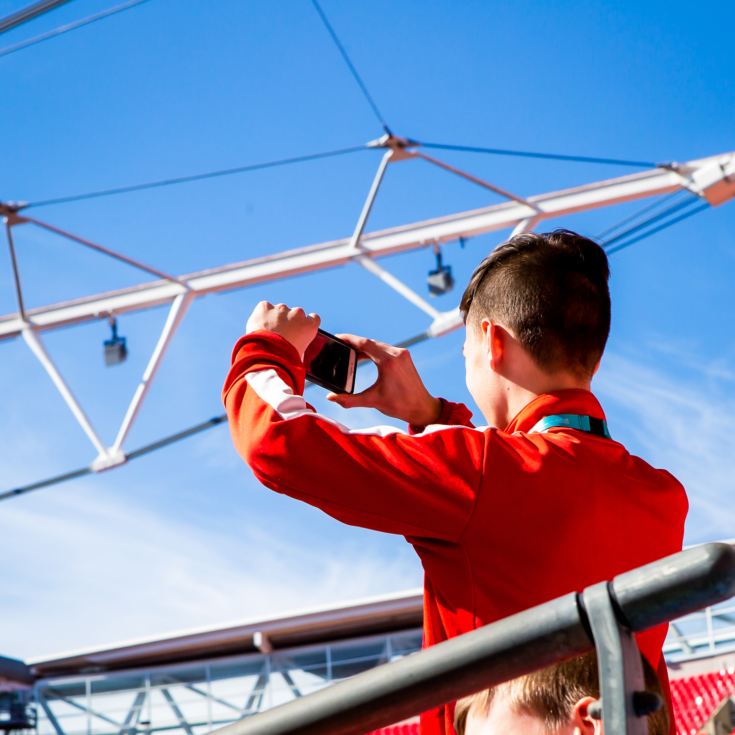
475 180
46 707
175 316
397 285
524 226
36 346
101 249
369 201
16 270
130 725
185 726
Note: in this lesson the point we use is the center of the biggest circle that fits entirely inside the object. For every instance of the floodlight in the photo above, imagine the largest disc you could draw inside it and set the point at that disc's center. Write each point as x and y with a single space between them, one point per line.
116 348
440 280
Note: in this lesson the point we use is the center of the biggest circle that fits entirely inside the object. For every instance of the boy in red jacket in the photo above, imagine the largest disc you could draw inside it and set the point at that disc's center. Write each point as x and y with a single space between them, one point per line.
538 503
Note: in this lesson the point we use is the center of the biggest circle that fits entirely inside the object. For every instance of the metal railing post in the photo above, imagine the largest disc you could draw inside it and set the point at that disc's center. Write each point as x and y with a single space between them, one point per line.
618 663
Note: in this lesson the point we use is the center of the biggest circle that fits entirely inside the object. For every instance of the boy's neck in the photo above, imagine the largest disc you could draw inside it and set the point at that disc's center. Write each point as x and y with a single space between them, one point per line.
517 397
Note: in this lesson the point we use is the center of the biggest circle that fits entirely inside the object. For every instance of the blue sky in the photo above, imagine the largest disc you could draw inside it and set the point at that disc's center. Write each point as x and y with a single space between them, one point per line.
186 537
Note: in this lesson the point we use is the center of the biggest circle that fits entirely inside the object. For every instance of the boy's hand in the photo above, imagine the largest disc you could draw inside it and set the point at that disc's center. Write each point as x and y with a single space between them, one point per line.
398 392
293 325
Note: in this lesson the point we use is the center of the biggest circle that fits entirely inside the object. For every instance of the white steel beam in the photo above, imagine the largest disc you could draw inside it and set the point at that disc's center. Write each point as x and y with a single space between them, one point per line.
713 178
176 314
397 285
524 226
446 322
37 348
368 205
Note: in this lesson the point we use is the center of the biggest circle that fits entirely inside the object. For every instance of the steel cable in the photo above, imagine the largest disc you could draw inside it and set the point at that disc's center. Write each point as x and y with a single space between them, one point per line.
665 225
353 70
30 12
538 154
651 220
644 210
193 177
70 27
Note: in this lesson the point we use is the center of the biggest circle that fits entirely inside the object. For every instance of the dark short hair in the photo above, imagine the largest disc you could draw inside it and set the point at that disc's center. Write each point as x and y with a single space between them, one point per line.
551 694
551 290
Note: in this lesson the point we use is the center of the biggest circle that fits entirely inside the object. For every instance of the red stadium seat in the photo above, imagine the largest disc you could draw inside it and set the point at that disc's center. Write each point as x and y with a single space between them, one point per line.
696 697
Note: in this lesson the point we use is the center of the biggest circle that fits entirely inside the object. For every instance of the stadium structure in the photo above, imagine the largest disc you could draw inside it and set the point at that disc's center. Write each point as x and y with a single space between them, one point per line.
196 681
192 682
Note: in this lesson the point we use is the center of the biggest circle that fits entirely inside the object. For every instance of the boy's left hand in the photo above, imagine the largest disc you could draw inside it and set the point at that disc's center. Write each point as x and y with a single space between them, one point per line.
294 325
398 392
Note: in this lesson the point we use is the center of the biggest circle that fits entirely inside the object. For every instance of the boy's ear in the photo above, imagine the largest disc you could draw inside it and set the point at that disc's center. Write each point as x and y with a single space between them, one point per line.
582 722
495 338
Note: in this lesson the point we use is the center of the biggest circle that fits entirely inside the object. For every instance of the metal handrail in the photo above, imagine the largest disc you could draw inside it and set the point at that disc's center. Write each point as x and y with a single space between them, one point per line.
532 639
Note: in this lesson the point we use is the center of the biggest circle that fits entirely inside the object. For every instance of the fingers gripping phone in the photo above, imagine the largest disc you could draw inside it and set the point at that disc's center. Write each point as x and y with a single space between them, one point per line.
331 363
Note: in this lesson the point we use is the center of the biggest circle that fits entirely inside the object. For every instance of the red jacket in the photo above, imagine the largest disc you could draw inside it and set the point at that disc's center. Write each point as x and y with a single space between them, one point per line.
501 519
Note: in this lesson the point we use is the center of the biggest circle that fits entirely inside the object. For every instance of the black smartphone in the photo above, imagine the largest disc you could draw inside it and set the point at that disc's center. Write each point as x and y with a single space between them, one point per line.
331 363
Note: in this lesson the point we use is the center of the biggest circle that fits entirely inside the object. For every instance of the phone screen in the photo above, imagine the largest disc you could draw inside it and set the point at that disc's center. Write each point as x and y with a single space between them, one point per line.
330 362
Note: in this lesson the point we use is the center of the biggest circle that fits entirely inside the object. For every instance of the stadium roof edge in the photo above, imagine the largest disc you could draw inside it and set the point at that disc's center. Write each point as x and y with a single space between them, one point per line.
384 613
12 670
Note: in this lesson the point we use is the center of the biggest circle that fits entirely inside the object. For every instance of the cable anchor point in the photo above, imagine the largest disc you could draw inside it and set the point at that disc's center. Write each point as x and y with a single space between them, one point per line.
108 461
9 212
399 147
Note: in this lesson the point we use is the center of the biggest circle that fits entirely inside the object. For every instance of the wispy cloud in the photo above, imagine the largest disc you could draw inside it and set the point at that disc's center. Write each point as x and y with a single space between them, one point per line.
103 570
682 422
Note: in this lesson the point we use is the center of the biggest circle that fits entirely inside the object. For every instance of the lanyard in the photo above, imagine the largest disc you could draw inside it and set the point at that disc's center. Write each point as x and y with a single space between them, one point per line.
591 425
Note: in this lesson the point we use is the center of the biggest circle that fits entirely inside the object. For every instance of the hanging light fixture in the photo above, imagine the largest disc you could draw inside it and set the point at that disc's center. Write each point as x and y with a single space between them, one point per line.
115 348
440 280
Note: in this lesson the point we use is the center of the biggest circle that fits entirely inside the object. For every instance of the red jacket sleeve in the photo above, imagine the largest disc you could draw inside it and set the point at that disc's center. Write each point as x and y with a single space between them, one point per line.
381 478
451 414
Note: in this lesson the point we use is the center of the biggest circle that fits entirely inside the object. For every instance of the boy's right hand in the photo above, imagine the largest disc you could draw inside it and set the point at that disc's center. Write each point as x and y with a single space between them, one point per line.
398 392
293 324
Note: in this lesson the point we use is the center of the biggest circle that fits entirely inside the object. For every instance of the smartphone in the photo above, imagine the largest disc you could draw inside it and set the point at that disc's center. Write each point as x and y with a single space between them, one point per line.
331 363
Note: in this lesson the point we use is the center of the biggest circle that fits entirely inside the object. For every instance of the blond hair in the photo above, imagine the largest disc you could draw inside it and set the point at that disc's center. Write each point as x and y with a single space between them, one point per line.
551 694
